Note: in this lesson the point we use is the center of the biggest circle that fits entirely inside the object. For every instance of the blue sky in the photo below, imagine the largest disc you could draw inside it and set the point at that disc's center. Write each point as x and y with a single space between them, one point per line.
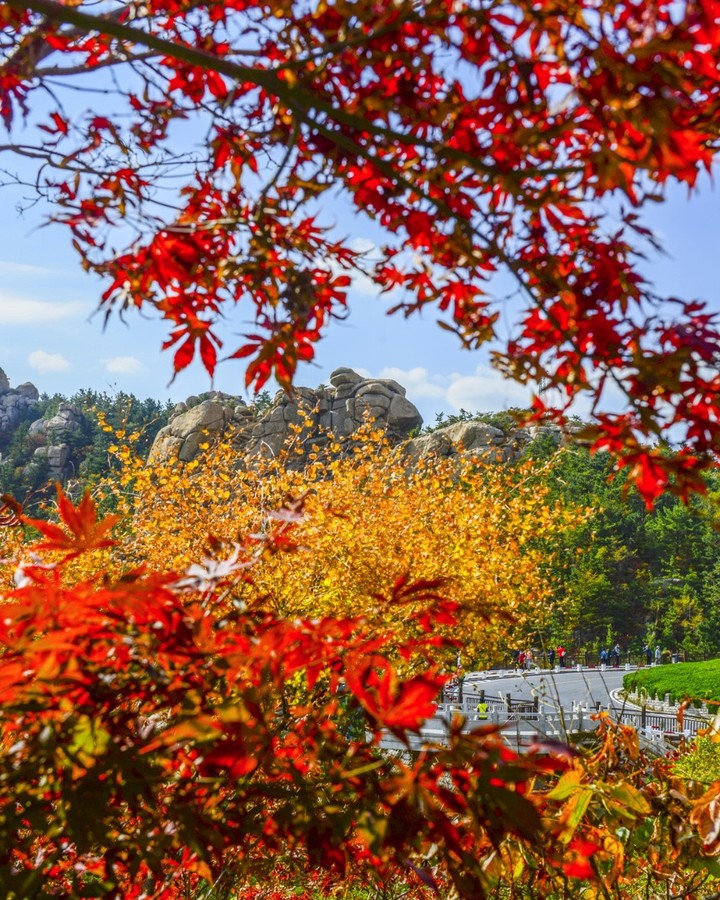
49 336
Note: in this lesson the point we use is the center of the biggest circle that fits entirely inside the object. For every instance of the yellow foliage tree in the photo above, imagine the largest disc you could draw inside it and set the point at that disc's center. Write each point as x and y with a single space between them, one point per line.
367 515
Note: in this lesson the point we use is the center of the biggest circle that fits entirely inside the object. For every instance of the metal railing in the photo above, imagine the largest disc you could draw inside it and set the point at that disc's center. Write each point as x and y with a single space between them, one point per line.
663 723
525 722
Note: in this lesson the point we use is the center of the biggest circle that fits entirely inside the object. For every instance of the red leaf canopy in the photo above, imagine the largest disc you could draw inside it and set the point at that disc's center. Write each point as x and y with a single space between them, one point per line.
477 139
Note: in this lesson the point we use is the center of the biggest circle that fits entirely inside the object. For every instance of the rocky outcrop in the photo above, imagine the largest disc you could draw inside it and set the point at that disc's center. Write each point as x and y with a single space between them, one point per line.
55 447
198 421
54 439
16 405
313 417
479 439
472 437
57 437
67 422
336 411
58 458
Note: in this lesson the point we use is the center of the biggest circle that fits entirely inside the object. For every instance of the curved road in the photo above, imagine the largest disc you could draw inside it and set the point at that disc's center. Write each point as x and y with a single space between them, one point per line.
560 688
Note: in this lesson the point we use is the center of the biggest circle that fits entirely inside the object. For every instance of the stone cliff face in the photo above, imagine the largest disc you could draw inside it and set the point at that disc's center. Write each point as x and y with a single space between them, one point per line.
197 421
53 439
339 409
56 436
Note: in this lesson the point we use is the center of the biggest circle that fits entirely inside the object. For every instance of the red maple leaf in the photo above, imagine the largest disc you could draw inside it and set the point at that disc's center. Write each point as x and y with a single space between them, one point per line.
82 530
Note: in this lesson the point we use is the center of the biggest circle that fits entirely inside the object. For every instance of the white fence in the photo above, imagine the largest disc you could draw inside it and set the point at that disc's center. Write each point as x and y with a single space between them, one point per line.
523 723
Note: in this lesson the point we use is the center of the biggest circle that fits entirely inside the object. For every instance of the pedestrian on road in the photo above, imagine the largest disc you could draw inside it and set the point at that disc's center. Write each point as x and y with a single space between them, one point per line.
648 654
603 657
657 655
551 658
616 655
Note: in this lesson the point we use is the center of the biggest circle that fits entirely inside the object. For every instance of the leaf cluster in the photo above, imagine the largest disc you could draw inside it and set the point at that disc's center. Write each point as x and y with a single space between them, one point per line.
367 514
162 730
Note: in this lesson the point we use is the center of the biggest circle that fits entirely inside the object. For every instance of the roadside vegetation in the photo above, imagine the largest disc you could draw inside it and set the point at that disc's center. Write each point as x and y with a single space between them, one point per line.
686 682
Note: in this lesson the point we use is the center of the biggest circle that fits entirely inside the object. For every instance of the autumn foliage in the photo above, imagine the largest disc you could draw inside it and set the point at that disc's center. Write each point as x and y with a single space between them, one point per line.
510 137
363 516
176 715
162 730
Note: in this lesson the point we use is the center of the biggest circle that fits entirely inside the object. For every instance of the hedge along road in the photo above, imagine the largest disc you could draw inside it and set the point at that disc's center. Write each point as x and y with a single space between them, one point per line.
560 688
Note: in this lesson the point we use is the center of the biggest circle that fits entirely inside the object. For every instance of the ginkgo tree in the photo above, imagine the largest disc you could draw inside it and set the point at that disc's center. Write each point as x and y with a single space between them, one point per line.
523 137
148 743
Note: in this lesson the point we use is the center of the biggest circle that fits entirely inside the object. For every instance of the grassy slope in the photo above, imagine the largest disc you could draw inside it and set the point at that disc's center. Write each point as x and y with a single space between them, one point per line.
684 681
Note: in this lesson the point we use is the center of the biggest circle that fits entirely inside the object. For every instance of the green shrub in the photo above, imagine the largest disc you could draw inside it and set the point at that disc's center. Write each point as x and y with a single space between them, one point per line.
696 682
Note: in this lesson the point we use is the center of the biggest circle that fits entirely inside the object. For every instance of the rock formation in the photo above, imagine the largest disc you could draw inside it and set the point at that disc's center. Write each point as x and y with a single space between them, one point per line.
480 439
197 421
339 409
15 405
57 437
56 446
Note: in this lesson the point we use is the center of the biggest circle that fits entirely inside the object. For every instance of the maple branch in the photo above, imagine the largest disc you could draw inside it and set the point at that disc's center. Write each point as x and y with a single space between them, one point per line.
61 161
303 104
357 39
267 79
87 23
292 143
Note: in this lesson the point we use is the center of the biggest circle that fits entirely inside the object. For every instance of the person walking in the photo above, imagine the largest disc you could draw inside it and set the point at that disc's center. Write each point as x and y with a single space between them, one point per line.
648 654
616 656
658 655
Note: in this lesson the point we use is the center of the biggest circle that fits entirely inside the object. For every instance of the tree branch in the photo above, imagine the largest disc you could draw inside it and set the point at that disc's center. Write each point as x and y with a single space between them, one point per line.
296 98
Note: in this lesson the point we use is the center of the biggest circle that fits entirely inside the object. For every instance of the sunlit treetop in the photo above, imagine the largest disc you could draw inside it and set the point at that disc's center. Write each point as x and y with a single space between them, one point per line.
196 150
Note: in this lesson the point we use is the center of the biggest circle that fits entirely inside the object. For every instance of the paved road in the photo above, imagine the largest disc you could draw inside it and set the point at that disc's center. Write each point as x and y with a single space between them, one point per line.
564 687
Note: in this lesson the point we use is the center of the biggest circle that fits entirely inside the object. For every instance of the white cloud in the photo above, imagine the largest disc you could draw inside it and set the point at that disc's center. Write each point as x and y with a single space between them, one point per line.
418 381
24 269
122 365
48 362
485 391
362 285
17 310
363 245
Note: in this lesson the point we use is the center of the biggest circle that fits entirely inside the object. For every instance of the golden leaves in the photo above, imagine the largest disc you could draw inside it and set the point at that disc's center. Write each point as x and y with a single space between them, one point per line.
368 518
